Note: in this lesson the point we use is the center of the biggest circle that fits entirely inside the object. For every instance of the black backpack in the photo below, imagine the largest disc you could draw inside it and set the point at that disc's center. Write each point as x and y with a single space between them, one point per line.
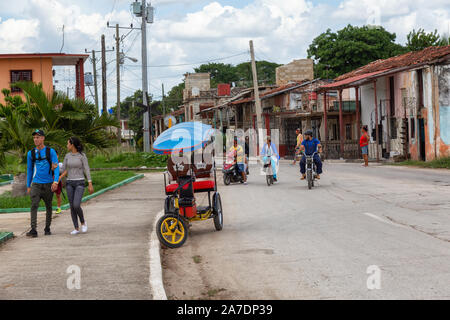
47 156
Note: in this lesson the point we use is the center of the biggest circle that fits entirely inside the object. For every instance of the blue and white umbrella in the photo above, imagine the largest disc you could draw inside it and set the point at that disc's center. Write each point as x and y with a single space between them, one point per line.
185 137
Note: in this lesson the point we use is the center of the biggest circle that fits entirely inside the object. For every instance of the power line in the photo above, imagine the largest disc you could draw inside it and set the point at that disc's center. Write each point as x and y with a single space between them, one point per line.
190 64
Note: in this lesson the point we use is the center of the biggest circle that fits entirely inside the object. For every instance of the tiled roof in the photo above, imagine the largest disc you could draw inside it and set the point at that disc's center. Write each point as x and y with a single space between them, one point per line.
404 60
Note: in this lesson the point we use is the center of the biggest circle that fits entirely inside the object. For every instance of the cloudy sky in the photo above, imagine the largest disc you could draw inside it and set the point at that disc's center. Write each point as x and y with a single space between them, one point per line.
188 32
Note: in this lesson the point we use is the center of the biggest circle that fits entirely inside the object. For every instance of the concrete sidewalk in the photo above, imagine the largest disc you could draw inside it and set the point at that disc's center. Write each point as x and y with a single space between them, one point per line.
113 256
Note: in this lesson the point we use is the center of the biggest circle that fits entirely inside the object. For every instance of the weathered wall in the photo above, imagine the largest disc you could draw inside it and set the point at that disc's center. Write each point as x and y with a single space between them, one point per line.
443 79
297 70
199 81
41 72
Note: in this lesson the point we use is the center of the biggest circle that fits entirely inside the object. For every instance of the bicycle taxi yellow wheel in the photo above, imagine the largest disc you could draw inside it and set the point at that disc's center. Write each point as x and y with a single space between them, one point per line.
172 230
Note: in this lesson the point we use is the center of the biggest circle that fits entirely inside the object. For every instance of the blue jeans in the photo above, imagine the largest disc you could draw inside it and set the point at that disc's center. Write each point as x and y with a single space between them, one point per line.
274 166
316 160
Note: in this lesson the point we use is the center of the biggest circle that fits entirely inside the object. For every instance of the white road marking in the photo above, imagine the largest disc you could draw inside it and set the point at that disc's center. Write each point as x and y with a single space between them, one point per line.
383 220
155 278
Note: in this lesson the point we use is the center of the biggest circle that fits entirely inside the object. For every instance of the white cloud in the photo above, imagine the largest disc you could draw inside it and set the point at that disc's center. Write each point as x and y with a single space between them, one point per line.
281 30
16 35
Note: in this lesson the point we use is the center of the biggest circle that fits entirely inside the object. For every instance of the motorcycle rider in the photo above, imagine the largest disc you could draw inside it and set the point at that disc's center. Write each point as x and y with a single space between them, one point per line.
270 150
310 145
238 154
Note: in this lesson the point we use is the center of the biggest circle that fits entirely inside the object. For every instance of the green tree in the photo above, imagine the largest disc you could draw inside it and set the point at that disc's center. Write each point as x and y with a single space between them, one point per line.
56 114
444 40
266 72
220 73
174 97
336 53
419 40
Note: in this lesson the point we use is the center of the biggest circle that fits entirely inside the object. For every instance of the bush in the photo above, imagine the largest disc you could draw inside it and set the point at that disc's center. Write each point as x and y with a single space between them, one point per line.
129 160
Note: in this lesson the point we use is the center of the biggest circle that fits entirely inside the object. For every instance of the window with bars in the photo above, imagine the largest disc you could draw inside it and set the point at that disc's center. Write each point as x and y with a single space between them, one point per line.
348 131
20 75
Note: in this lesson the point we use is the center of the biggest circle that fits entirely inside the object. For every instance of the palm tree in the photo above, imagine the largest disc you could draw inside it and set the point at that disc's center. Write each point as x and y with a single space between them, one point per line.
56 114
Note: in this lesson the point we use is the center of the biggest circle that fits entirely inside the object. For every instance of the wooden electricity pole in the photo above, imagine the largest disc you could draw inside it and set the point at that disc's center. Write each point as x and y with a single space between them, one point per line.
256 89
119 129
104 105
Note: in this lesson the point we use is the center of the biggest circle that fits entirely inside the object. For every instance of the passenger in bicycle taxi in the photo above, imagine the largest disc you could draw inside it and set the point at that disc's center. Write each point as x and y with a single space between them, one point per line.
310 145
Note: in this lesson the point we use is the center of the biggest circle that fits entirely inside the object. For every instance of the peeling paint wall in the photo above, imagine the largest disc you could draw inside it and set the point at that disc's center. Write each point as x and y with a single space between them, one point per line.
443 78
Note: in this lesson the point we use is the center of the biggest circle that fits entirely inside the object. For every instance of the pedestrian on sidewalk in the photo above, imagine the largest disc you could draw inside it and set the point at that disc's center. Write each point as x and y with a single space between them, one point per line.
76 167
59 188
42 181
298 132
364 144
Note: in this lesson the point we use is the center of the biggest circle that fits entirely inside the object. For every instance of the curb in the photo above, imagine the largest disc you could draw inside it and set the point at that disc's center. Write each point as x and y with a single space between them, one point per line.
5 183
130 169
6 236
9 179
86 198
155 277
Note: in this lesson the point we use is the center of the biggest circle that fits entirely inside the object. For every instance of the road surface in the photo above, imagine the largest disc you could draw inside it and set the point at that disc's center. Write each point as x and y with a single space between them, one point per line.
381 232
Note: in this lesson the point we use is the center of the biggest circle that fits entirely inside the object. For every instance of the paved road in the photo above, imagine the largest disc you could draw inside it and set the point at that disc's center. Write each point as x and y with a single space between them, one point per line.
288 242
113 255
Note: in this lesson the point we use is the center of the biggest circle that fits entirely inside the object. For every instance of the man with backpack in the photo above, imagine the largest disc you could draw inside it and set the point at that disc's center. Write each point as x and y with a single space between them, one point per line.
41 180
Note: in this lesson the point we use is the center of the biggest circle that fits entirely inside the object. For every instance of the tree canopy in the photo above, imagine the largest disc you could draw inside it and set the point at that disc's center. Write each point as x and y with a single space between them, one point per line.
336 53
419 40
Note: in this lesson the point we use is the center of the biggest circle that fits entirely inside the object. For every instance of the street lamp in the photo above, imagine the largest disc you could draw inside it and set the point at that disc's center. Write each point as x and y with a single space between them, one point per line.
123 56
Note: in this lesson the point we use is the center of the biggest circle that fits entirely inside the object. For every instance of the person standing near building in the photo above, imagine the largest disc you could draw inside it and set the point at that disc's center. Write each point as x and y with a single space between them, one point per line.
364 144
298 132
42 181
76 167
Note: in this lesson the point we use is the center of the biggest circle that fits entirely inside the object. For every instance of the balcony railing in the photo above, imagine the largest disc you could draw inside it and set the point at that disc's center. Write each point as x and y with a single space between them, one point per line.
347 106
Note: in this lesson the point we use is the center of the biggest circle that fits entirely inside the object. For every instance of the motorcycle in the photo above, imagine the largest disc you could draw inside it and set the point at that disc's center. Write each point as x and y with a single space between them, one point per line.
311 171
231 174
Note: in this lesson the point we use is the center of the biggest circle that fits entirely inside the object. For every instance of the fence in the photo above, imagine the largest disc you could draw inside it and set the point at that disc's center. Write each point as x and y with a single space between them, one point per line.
351 150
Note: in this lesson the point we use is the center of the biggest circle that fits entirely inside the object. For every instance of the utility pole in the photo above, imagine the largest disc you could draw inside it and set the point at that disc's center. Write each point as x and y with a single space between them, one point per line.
104 96
94 65
164 109
147 125
119 130
256 89
146 14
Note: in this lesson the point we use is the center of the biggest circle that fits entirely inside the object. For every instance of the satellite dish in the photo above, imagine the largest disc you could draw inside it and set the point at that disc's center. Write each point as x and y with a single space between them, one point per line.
169 121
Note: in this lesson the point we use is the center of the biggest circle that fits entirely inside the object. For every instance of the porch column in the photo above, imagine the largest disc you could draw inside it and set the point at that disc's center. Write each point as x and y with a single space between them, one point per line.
376 120
79 86
235 117
358 119
341 123
325 122
268 124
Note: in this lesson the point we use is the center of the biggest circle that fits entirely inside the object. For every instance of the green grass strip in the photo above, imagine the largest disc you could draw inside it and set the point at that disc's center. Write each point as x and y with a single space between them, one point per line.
86 198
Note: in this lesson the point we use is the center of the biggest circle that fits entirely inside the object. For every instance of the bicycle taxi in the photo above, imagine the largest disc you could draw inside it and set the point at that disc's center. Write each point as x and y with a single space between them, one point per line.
190 171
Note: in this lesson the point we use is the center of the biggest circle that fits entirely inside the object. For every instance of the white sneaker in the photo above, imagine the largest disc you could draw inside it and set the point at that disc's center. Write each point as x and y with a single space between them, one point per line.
84 228
75 232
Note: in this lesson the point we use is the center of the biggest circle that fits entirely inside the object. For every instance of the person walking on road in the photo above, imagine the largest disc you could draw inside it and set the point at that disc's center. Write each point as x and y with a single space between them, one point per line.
298 132
42 181
76 167
364 144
